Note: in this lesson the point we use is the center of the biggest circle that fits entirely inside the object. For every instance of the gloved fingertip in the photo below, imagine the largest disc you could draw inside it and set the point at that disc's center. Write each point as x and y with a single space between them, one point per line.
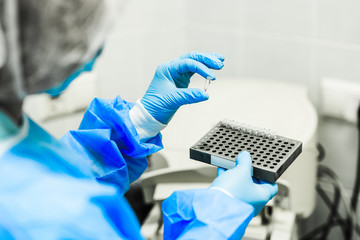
200 94
203 97
266 182
211 76
215 63
272 188
220 171
220 65
219 56
191 95
243 155
275 189
244 164
256 180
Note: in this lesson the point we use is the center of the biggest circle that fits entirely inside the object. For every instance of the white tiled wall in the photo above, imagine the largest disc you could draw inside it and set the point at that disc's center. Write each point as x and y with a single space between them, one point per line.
274 59
338 20
145 35
278 16
298 40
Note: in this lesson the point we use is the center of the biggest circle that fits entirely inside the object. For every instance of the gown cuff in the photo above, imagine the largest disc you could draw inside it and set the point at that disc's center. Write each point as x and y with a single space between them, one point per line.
205 214
146 126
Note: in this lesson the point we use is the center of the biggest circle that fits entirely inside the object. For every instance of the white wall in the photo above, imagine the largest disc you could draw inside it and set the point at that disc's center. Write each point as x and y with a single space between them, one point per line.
147 34
299 40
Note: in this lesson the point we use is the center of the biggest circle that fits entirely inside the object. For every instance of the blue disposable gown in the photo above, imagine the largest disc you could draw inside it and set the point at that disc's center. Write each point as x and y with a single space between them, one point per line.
48 188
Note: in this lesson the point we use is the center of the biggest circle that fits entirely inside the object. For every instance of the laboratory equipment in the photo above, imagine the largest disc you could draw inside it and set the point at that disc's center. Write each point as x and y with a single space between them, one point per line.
284 107
271 154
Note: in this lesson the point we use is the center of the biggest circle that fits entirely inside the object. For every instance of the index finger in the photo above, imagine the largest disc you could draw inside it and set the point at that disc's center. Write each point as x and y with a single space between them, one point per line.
211 60
271 188
192 66
220 171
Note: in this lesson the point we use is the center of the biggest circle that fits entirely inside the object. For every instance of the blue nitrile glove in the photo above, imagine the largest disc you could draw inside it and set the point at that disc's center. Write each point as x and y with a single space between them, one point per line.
168 89
239 183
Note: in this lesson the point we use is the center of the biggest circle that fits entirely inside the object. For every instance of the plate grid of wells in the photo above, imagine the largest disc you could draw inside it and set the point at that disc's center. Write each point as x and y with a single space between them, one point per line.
227 143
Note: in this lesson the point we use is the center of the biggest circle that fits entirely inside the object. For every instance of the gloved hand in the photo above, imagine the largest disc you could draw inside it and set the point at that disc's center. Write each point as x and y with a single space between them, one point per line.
239 183
168 89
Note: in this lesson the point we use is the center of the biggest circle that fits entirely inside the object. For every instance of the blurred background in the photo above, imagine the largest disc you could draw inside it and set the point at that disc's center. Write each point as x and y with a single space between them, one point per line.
314 44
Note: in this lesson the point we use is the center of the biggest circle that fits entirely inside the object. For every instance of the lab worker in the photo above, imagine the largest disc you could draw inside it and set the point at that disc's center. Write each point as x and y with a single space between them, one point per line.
73 187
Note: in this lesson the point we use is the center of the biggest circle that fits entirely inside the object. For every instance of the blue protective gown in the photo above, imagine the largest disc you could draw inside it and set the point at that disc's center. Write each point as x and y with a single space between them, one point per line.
48 188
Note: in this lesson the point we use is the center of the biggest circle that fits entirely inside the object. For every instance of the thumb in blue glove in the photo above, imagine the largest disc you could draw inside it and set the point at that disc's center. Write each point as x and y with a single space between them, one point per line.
239 183
169 88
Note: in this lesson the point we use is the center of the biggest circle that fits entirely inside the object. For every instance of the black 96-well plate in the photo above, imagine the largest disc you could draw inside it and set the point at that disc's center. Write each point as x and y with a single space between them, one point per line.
271 154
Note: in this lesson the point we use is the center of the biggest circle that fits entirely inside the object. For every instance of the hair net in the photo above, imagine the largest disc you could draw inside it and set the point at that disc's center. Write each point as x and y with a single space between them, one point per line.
43 41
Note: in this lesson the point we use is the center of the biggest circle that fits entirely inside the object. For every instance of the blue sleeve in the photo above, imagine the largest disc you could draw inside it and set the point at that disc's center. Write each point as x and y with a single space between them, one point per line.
205 214
109 140
38 203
